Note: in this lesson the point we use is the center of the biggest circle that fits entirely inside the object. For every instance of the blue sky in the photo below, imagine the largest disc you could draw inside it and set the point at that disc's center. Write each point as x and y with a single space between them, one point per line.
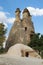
8 7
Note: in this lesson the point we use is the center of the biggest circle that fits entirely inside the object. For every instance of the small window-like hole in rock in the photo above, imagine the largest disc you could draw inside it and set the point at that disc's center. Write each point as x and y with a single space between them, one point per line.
25 28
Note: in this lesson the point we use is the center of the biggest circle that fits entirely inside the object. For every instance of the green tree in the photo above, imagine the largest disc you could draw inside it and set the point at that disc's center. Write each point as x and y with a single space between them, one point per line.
41 45
37 42
2 34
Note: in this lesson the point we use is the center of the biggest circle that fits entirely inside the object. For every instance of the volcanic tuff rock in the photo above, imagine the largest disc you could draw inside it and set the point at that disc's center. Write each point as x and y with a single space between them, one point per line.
21 30
21 50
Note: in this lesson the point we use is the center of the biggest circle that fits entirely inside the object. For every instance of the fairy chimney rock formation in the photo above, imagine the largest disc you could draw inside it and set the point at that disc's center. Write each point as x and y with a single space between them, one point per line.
21 30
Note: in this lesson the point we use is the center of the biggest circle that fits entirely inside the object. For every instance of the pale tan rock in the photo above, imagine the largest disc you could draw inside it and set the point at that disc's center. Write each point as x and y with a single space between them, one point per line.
20 50
21 29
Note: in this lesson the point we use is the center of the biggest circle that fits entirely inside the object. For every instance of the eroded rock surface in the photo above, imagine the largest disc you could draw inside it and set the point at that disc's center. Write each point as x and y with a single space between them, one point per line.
21 30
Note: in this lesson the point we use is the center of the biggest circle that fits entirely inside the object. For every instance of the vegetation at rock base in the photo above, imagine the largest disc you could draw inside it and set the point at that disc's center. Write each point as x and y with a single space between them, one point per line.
2 36
37 43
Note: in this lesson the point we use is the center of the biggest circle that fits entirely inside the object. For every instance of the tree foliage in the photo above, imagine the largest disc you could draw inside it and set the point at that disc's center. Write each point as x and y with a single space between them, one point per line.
2 33
37 42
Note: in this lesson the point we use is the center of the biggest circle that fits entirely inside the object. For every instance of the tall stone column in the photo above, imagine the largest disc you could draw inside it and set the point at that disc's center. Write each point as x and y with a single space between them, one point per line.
17 23
28 26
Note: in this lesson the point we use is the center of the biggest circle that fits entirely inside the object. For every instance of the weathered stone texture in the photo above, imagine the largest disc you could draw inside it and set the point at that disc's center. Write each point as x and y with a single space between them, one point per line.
21 29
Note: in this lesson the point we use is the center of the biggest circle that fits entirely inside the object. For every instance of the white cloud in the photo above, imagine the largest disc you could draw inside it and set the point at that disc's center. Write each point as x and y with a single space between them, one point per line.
5 19
1 8
35 11
11 20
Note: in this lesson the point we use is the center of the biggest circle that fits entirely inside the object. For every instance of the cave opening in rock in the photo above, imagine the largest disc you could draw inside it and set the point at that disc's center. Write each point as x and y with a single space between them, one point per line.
25 28
26 54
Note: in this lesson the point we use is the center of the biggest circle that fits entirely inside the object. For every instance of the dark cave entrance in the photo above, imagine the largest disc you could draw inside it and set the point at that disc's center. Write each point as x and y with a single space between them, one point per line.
27 54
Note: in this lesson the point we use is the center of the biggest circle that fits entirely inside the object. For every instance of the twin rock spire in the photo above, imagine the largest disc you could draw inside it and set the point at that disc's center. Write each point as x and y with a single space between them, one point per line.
21 29
25 13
